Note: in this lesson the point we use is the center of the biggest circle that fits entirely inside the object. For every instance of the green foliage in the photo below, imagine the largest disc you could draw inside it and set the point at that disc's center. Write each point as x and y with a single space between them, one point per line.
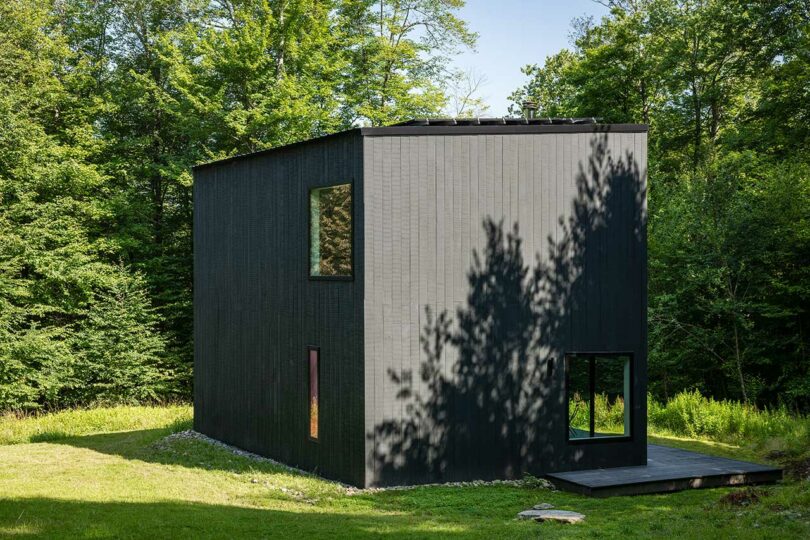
106 105
730 287
118 352
608 414
690 414
548 85
398 57
27 428
112 473
723 86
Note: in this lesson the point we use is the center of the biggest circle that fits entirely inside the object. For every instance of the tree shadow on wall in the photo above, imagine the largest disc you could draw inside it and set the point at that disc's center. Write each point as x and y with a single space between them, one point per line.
488 402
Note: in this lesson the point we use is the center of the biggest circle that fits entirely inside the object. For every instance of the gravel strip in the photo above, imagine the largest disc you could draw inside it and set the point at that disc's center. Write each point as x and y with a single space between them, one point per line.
190 434
535 483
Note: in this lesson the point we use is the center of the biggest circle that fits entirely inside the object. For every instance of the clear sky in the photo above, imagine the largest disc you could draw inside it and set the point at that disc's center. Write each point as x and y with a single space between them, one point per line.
513 33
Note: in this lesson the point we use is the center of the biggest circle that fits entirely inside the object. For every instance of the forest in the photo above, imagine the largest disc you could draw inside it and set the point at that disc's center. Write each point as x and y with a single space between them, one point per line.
105 105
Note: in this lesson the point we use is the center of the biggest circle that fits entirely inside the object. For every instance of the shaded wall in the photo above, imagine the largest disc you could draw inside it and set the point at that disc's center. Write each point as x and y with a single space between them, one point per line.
463 312
256 310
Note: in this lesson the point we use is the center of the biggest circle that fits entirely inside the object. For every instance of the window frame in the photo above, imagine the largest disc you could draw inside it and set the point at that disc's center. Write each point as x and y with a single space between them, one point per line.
630 390
309 349
311 277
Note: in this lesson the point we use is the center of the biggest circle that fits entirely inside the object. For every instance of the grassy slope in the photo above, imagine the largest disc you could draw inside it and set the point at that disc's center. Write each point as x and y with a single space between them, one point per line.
90 481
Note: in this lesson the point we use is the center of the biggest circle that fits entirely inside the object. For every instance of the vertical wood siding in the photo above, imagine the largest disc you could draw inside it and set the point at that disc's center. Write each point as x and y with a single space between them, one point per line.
419 205
426 198
256 310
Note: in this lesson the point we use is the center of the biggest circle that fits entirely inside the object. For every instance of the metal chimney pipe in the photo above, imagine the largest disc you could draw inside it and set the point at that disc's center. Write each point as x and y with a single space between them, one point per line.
529 109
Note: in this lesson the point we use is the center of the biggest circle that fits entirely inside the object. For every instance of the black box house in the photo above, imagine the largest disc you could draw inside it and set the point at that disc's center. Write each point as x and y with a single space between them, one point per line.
434 301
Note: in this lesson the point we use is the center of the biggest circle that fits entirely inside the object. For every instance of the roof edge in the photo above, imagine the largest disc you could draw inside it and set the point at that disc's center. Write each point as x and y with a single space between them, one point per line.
507 129
319 138
410 130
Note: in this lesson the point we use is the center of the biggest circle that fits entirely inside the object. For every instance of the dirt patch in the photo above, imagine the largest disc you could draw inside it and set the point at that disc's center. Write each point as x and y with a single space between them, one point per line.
742 497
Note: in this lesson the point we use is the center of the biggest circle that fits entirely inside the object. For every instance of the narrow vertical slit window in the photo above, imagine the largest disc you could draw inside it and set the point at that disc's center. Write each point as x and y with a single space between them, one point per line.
598 391
330 232
313 359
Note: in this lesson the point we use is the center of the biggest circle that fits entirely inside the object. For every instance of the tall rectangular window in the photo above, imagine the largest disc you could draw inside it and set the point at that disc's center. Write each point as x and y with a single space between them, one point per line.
330 232
598 391
314 398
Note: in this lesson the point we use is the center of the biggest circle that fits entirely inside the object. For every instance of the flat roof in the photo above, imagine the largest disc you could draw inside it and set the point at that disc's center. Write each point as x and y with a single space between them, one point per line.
462 126
497 121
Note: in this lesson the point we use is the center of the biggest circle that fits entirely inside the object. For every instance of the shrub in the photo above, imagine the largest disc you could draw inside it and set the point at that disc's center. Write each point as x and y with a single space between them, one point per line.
691 414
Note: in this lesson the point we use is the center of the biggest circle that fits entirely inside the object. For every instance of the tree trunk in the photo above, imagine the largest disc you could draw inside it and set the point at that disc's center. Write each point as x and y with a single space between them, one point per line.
645 106
698 123
738 360
715 120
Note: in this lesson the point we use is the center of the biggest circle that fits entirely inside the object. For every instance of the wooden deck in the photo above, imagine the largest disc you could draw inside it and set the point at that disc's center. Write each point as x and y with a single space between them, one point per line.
667 469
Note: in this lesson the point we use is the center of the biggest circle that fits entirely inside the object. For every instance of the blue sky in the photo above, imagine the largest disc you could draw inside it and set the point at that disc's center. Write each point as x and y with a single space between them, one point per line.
513 33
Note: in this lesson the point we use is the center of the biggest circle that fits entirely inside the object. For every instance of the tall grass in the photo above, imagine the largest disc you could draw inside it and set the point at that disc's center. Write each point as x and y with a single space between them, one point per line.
691 414
688 414
608 414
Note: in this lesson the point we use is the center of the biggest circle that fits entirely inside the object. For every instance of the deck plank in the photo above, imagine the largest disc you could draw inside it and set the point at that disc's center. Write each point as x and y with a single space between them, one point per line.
667 469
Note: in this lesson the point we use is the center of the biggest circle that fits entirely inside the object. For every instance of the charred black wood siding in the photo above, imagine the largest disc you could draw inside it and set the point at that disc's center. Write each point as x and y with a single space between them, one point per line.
578 196
421 196
256 310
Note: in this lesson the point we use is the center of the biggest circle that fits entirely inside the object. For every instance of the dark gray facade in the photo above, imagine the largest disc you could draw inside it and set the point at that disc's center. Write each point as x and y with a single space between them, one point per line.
256 310
443 358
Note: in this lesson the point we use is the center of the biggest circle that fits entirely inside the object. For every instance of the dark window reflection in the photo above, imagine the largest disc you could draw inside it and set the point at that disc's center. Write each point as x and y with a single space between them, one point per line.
598 395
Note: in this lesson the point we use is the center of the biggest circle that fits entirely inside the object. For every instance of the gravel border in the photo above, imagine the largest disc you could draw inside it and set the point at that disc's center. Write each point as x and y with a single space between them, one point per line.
190 434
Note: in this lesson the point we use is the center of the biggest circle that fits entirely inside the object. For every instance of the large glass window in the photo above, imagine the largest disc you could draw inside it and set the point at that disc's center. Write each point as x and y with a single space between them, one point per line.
313 359
598 390
330 229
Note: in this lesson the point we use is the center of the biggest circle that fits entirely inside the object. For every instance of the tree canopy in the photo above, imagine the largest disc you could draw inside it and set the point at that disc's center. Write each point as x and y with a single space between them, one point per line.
106 105
724 86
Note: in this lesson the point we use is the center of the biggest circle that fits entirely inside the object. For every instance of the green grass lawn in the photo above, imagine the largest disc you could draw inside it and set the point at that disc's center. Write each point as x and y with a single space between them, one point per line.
106 473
